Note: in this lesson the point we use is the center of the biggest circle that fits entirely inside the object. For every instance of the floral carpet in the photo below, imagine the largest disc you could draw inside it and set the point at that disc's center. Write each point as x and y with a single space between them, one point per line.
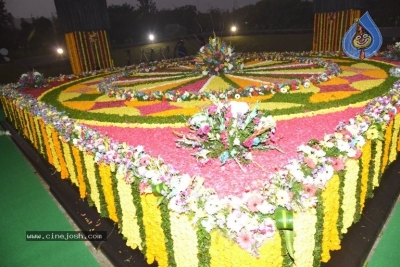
302 113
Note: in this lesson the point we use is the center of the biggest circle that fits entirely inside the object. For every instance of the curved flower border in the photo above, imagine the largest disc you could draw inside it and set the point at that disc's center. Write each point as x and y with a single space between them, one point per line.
249 220
107 86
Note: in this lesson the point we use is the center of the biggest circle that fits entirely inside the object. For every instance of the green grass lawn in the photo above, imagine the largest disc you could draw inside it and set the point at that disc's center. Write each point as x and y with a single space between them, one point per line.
11 71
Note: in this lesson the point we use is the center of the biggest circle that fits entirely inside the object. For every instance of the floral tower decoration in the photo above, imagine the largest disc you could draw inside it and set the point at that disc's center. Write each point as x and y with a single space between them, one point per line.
332 18
218 58
85 24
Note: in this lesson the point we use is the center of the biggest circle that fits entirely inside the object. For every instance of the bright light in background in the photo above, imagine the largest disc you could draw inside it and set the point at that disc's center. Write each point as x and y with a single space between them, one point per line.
233 29
60 51
151 37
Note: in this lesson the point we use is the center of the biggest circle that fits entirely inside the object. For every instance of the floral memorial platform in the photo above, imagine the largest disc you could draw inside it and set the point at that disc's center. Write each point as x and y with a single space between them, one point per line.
225 159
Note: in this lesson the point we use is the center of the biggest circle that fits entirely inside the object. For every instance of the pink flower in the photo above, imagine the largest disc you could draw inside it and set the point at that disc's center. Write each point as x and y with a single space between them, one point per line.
338 164
245 240
144 161
310 189
204 129
249 142
358 154
142 187
253 203
212 109
310 163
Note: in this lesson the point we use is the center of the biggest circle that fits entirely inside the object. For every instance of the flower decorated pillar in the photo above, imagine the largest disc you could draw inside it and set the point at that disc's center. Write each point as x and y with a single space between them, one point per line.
332 19
85 24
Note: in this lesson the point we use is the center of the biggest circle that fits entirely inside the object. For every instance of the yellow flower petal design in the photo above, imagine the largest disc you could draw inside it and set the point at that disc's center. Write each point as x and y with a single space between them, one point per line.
217 83
364 65
191 104
79 105
74 88
379 74
64 96
335 81
118 111
367 84
277 105
330 96
177 112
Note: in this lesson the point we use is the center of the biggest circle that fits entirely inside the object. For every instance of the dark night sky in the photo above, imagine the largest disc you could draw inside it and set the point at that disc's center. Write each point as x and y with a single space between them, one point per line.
37 8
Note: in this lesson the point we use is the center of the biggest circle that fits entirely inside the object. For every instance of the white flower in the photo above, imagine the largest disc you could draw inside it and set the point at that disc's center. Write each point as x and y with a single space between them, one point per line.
234 220
343 145
212 205
282 198
154 176
266 208
239 108
284 90
198 119
37 74
266 123
208 224
307 84
360 141
181 183
236 142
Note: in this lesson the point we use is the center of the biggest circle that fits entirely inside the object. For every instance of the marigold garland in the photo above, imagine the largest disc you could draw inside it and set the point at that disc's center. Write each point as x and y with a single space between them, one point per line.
107 185
225 253
91 178
386 148
184 237
41 148
60 155
349 190
304 241
23 125
330 235
378 163
47 152
155 238
79 171
56 163
100 189
169 241
395 138
366 160
135 192
128 222
34 133
69 162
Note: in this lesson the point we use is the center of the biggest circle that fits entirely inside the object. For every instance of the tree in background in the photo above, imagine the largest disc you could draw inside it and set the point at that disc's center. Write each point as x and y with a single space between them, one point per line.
7 33
123 21
147 6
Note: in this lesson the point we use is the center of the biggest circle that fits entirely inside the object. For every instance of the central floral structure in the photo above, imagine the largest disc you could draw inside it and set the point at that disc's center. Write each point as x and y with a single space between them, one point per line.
229 130
218 58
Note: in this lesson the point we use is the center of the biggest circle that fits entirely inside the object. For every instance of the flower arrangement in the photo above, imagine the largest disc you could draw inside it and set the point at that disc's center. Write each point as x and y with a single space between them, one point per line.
393 51
218 58
32 79
229 130
110 85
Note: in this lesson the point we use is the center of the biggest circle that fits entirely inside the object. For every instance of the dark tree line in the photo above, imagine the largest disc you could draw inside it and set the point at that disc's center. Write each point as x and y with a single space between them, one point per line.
133 23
